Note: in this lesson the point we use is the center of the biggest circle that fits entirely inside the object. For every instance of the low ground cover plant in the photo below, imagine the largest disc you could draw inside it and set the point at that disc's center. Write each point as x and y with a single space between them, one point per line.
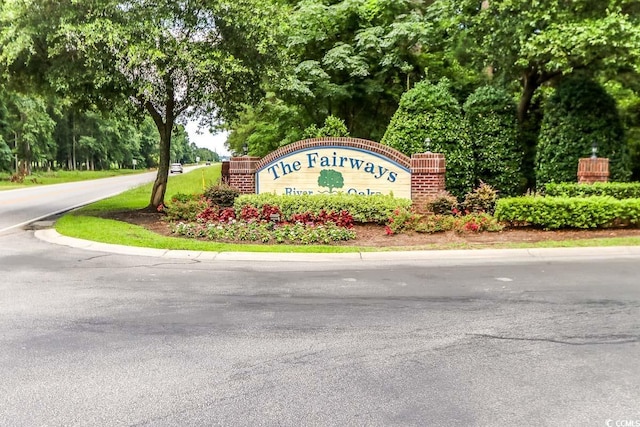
265 232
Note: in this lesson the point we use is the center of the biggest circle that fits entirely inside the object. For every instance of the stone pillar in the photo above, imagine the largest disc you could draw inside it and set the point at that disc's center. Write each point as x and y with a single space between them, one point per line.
242 173
592 170
427 175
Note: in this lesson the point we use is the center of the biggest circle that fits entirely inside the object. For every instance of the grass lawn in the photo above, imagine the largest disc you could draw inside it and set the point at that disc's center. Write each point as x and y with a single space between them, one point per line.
59 177
85 224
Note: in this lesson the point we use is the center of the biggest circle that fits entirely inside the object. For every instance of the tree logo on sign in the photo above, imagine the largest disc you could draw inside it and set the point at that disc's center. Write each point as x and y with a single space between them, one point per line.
331 179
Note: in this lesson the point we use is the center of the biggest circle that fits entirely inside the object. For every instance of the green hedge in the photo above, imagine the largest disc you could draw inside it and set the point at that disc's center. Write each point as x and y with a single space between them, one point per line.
569 212
430 111
618 190
490 115
363 209
577 114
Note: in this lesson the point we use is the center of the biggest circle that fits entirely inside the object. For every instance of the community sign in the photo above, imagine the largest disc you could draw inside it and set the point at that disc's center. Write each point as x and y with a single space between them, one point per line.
334 169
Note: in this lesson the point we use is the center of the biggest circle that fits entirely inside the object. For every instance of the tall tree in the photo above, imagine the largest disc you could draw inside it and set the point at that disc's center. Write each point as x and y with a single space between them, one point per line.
31 128
354 59
536 41
172 58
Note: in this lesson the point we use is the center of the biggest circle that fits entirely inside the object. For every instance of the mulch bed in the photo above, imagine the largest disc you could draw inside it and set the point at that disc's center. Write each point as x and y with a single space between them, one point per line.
374 235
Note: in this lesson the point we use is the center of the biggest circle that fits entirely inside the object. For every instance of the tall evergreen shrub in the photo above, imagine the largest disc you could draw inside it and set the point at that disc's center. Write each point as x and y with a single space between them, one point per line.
430 111
578 114
490 115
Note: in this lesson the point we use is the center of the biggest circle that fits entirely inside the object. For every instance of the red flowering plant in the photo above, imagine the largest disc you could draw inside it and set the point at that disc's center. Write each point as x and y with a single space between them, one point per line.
271 213
476 223
227 215
402 219
209 214
249 213
341 219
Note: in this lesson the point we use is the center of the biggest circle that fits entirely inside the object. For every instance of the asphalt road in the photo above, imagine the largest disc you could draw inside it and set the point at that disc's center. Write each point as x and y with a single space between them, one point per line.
25 205
90 338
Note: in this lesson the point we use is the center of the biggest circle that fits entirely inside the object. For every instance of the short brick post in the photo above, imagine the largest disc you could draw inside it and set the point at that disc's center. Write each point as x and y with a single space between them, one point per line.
242 173
592 170
427 176
224 174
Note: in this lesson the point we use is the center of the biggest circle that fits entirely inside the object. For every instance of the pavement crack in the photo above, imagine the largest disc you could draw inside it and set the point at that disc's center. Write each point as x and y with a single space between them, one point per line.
612 340
185 262
94 257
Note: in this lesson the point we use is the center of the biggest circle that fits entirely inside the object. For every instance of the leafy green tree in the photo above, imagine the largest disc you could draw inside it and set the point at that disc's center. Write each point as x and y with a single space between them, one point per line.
5 151
207 155
331 179
627 96
490 115
333 126
430 112
538 41
579 114
353 59
170 58
265 127
31 128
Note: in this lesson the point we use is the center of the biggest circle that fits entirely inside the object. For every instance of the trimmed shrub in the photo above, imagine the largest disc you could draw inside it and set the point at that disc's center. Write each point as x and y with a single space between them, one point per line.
618 190
490 115
578 114
376 209
430 111
404 220
185 207
482 199
443 203
222 195
569 212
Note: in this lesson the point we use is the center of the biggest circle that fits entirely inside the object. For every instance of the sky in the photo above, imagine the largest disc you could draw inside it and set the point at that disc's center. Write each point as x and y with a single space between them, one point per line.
204 139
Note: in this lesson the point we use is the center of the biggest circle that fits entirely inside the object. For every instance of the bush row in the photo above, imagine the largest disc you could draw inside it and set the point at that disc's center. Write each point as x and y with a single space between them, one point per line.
618 190
404 220
376 209
264 232
569 212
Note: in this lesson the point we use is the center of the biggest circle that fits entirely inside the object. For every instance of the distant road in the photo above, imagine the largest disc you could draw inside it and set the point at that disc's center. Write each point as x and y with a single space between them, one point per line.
25 205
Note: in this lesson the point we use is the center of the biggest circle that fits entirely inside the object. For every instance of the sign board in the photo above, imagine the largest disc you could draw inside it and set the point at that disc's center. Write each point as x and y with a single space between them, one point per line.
334 169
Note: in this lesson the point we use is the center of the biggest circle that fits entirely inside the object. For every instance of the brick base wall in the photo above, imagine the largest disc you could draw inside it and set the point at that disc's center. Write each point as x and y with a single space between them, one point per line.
592 170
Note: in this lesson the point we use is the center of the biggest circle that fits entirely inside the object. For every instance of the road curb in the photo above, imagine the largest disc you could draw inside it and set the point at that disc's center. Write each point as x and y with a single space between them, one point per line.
449 256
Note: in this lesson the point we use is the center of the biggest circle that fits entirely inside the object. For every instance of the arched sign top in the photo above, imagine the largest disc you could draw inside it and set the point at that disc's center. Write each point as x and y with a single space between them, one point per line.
362 144
335 165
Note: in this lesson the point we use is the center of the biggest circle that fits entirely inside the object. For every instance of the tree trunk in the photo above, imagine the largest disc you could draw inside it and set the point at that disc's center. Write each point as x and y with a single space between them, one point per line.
160 184
530 83
165 128
73 152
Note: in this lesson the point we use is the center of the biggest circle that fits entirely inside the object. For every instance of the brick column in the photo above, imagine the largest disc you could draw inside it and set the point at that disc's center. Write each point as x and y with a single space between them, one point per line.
242 173
592 170
224 174
427 175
